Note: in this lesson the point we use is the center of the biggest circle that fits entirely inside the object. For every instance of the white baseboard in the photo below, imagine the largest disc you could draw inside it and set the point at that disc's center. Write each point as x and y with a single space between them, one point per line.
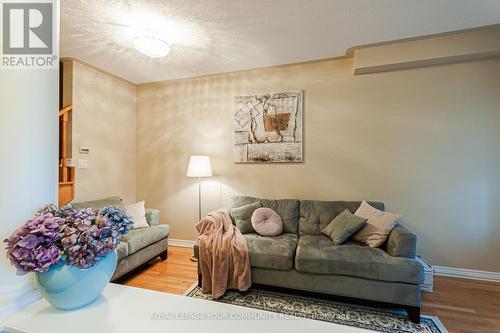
181 242
467 273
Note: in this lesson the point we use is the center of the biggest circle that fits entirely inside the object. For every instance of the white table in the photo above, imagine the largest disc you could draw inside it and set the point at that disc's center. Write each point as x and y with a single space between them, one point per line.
123 309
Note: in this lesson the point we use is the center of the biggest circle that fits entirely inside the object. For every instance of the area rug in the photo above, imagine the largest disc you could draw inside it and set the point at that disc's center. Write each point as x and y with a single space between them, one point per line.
379 320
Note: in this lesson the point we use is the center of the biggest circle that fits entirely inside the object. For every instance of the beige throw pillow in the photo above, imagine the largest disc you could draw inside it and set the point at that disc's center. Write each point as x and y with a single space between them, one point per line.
138 214
378 226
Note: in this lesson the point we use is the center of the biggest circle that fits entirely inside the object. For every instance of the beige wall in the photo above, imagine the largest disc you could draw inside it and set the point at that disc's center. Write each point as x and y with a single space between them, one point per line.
425 141
104 121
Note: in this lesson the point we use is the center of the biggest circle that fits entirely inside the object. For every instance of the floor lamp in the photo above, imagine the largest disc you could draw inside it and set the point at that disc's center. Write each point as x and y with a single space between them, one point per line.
199 167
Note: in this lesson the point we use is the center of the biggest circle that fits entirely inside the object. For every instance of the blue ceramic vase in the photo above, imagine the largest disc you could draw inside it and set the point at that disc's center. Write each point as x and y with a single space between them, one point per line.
69 287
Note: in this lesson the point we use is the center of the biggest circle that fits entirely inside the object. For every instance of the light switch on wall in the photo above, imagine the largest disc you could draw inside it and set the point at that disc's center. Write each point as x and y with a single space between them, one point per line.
83 164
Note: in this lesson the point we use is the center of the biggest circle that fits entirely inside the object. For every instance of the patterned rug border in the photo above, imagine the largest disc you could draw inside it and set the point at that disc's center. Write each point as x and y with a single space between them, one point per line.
190 289
439 327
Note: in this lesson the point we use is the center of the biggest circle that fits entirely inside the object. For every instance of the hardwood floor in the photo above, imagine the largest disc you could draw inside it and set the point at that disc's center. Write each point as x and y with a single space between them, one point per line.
174 275
463 306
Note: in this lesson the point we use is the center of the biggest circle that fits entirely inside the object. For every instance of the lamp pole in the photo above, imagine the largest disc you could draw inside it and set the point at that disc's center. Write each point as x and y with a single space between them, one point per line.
192 258
199 166
199 199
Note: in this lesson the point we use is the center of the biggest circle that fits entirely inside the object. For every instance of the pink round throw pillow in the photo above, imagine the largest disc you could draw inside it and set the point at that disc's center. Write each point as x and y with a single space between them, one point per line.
267 222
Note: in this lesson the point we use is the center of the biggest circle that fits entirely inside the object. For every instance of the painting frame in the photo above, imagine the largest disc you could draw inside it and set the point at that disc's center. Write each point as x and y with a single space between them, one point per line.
268 128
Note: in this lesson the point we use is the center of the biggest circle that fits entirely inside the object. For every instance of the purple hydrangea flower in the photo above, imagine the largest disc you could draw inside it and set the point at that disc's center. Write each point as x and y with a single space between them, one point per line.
81 236
84 214
64 212
93 235
33 247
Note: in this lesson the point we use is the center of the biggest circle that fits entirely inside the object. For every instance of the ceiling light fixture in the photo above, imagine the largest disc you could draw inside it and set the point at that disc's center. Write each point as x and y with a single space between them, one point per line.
151 46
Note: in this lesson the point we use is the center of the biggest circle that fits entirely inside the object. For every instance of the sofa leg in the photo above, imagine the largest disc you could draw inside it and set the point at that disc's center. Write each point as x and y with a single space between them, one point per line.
164 255
199 280
413 314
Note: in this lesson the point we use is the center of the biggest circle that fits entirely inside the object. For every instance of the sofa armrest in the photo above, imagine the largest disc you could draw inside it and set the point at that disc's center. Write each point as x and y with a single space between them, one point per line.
152 216
402 243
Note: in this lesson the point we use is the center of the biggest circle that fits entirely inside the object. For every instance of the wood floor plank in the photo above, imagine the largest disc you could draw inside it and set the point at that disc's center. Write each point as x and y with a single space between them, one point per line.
174 275
463 306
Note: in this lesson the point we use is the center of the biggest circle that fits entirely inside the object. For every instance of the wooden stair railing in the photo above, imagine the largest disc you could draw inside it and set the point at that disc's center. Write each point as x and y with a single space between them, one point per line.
66 173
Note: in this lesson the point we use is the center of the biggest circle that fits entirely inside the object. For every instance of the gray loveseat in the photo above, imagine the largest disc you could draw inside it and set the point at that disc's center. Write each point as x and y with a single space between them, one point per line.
304 259
140 245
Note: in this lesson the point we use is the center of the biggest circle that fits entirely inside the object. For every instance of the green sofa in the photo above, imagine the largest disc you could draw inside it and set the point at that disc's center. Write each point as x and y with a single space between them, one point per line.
304 259
140 245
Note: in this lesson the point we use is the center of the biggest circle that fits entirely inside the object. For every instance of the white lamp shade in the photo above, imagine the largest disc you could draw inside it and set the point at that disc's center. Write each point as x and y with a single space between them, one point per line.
199 166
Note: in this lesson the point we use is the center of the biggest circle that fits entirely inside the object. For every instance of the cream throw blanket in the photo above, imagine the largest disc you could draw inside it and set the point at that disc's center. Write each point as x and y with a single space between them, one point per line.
223 258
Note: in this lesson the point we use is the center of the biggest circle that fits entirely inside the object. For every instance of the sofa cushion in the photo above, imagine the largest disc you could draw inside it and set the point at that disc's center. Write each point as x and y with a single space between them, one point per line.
318 255
274 253
343 226
122 250
267 222
287 209
242 216
316 215
378 226
101 203
138 214
142 237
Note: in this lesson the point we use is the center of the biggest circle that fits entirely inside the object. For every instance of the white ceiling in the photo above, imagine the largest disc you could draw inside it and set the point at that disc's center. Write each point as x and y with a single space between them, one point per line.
216 36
